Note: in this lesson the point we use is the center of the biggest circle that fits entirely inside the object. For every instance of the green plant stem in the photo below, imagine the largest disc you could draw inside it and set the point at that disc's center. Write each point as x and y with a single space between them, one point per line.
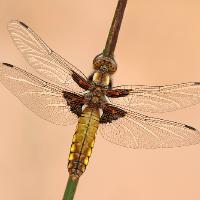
114 29
70 189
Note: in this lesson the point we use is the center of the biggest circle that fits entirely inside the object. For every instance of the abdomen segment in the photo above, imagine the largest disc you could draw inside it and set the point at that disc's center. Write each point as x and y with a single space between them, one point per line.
83 141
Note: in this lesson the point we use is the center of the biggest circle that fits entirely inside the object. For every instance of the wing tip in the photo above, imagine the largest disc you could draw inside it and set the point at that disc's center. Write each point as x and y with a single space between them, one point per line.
23 24
16 22
191 128
8 65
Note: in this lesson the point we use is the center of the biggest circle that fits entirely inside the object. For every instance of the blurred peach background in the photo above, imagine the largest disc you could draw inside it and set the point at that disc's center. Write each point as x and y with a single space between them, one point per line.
159 43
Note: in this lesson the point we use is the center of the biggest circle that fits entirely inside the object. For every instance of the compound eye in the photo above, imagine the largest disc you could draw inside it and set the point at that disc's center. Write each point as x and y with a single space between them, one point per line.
100 61
112 68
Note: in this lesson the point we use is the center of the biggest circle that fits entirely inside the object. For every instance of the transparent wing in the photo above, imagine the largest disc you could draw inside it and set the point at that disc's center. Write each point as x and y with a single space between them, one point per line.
139 131
157 99
44 60
44 99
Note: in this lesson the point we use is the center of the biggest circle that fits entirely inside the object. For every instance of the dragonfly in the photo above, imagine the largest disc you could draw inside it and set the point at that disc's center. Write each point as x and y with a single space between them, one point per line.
119 113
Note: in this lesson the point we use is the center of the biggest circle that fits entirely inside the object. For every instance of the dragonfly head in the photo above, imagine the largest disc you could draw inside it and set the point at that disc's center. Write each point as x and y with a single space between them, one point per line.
105 64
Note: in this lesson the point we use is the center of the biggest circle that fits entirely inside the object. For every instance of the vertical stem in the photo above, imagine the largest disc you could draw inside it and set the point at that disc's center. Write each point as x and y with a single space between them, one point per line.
70 189
114 29
108 52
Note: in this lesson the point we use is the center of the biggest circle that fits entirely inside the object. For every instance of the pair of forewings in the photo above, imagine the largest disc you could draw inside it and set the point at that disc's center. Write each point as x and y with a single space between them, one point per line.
134 130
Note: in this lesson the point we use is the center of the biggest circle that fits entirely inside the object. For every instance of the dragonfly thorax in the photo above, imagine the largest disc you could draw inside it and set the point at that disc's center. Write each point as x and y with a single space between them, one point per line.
101 78
95 97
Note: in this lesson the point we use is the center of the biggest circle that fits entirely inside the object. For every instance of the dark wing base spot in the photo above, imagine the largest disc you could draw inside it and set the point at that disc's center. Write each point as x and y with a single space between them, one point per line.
117 93
80 81
75 102
111 113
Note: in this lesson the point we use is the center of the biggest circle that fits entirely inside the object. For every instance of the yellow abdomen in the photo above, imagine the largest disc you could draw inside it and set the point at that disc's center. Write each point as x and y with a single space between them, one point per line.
83 141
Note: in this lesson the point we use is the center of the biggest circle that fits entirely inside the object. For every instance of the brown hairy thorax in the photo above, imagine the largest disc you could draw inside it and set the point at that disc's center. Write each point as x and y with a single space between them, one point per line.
97 88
